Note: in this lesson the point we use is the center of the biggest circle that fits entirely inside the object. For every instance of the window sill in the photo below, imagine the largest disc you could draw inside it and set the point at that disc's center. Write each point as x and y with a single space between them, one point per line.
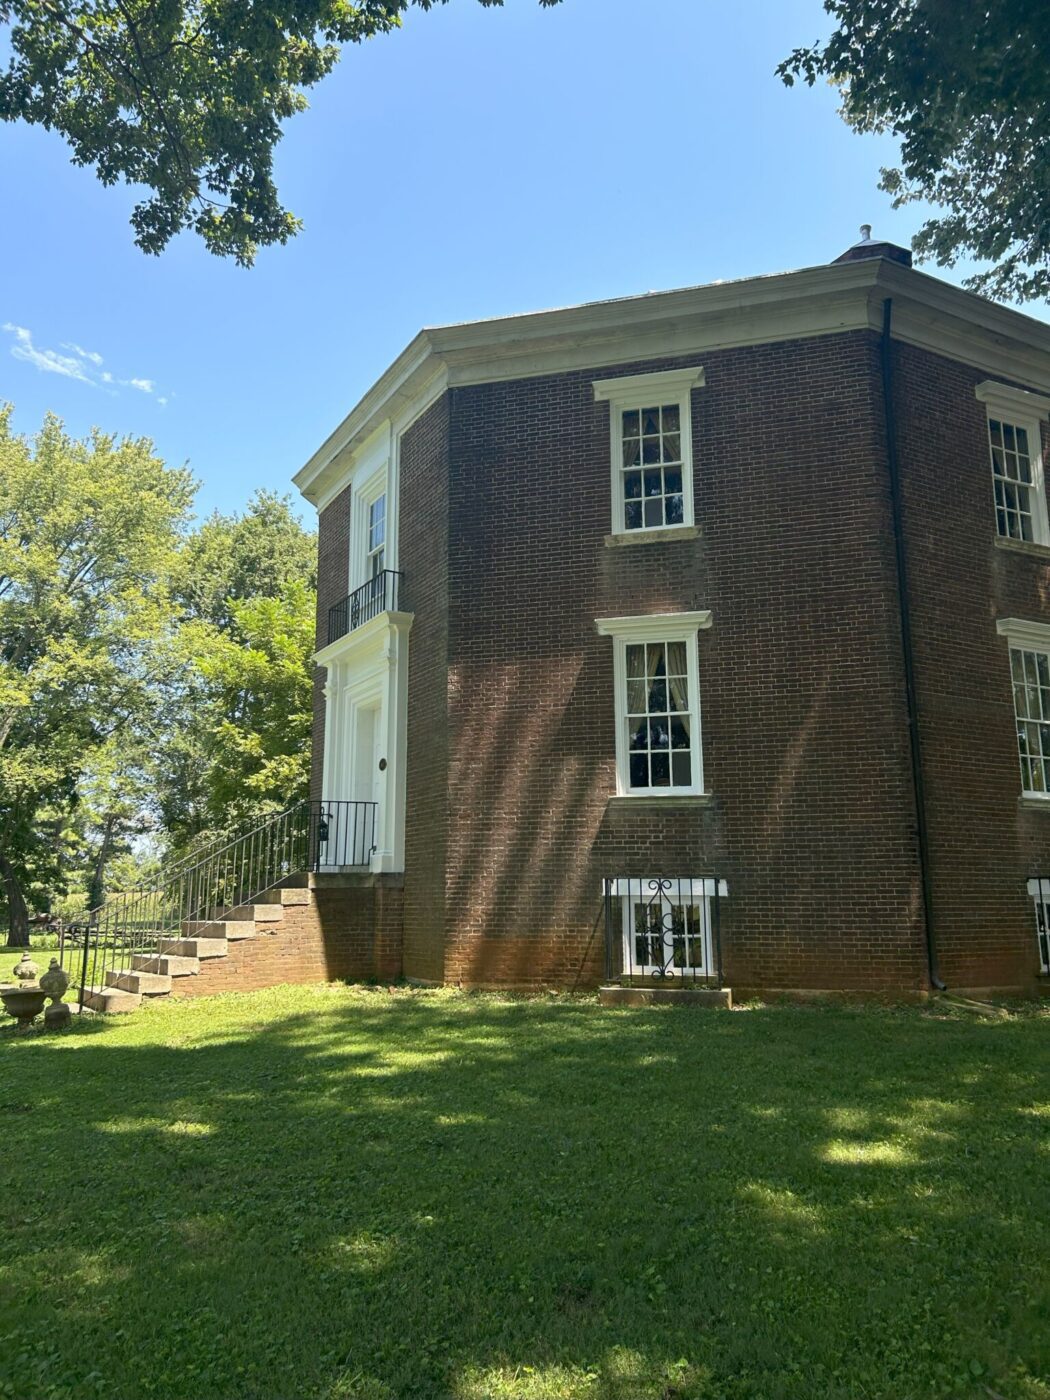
623 800
665 534
1036 551
1031 803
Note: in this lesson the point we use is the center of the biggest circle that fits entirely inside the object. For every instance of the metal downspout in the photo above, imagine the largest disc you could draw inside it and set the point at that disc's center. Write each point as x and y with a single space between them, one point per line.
904 603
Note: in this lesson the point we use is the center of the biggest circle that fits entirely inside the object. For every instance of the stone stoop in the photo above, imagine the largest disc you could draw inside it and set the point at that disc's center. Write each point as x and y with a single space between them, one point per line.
617 995
150 975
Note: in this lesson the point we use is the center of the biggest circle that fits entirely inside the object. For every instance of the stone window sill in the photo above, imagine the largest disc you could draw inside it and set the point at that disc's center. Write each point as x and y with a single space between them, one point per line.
1029 547
1033 804
622 802
667 535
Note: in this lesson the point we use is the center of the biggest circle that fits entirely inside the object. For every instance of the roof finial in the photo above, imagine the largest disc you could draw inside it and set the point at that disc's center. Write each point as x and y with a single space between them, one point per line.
865 233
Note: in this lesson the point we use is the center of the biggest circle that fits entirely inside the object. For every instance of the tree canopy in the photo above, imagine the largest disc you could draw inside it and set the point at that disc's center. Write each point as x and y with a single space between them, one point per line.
183 97
88 534
965 86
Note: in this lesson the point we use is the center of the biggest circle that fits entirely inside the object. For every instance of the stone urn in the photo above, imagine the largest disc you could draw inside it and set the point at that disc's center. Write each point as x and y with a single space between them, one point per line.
55 982
26 969
24 1000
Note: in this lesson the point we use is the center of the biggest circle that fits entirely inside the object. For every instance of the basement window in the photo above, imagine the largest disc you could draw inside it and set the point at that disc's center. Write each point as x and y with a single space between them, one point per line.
1039 889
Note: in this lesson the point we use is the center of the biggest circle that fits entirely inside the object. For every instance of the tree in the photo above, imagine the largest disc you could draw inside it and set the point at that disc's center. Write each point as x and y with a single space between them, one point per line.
184 97
88 535
966 86
236 727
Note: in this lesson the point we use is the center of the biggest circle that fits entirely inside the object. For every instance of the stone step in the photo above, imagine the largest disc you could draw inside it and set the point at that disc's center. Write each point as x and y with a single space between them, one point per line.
217 928
167 966
256 913
111 999
148 984
194 947
289 894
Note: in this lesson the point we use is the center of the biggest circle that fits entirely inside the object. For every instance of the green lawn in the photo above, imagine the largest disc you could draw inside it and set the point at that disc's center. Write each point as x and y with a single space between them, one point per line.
326 1193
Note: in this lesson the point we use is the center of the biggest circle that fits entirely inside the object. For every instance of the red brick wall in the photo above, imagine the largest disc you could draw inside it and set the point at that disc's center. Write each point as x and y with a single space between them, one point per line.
350 928
984 843
801 679
423 559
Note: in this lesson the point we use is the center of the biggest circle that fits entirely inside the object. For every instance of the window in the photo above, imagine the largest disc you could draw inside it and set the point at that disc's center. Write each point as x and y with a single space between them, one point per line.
657 703
1030 683
376 536
651 445
1015 448
669 926
1039 889
1030 673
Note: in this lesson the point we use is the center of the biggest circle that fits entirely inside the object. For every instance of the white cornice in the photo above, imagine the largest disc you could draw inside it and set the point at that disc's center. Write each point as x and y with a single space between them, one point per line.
815 301
1024 633
655 627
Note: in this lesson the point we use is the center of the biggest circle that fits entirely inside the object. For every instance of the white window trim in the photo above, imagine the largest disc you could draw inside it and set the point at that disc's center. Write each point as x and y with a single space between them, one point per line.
1022 409
366 491
658 627
642 391
1024 636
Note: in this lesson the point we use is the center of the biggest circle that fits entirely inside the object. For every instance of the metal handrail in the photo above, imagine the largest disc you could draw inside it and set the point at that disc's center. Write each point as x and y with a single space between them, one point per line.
309 836
377 595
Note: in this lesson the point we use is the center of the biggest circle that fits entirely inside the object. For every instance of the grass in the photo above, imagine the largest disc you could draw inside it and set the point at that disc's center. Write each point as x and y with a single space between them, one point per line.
342 1194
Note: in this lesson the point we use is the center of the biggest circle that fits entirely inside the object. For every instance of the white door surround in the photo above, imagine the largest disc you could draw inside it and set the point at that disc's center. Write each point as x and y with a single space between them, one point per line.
366 727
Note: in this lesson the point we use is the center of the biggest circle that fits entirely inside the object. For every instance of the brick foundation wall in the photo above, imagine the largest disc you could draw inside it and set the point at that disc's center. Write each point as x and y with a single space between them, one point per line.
801 687
984 842
349 928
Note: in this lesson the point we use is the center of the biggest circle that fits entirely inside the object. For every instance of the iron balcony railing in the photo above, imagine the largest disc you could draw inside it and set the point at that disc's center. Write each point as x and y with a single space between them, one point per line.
376 596
137 930
665 928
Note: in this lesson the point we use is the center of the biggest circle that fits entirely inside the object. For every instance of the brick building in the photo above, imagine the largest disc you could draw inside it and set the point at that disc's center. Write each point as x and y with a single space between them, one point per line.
705 632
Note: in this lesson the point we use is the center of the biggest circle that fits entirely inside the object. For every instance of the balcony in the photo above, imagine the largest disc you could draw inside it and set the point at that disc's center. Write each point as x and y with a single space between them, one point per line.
377 596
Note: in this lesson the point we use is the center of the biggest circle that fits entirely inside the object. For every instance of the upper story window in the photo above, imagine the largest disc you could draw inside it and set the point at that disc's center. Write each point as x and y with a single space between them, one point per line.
1015 448
657 703
377 536
1030 681
651 448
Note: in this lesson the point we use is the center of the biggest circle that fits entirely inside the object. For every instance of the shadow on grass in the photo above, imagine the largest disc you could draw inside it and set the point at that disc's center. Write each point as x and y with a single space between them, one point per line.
341 1194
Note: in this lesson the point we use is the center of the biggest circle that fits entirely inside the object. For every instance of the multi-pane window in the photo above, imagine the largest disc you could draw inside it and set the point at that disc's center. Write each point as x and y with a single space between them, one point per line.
650 418
667 937
1012 478
1030 672
659 720
376 536
651 461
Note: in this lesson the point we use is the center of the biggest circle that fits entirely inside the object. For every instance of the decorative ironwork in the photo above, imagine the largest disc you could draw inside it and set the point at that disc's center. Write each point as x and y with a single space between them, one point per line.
664 928
139 929
376 596
1039 889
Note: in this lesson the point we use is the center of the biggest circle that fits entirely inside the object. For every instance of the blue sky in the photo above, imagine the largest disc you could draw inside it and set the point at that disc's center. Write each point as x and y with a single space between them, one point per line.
479 162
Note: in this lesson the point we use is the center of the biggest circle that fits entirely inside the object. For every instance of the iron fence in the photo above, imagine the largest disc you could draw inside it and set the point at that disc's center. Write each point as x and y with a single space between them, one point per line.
378 595
137 930
664 928
1039 889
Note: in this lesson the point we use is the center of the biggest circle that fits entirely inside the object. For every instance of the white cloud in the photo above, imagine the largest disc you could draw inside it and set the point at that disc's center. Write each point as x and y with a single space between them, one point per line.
80 364
49 361
81 353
